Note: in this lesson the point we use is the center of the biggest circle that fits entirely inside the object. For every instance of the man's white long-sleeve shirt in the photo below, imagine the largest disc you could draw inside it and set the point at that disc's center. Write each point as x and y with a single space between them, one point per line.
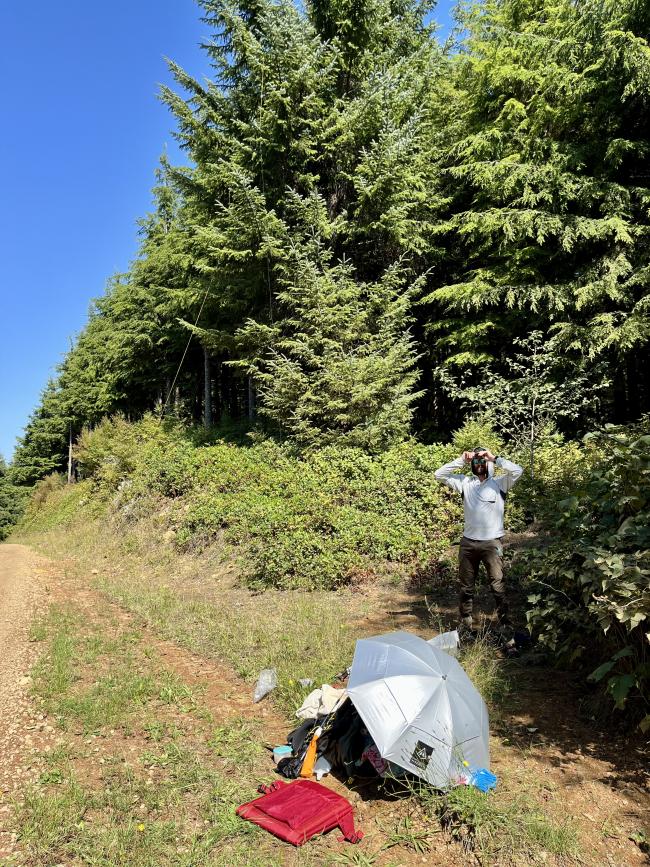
483 502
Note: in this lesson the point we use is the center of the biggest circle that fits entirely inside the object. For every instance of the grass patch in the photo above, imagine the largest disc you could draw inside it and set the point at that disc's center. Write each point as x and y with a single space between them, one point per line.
487 672
502 827
238 744
59 505
118 682
169 795
301 635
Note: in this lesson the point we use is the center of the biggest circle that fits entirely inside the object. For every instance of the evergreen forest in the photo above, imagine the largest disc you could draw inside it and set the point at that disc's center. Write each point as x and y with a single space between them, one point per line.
376 233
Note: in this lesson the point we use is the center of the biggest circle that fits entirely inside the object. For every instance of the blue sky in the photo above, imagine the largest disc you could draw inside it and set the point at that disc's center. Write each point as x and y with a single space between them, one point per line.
82 133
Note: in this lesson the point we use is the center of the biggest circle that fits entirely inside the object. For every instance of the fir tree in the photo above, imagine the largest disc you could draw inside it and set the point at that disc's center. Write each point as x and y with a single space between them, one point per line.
339 365
11 501
549 223
43 447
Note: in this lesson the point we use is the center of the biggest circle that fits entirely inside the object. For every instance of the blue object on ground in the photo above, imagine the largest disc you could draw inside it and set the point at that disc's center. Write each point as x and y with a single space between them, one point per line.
281 752
482 779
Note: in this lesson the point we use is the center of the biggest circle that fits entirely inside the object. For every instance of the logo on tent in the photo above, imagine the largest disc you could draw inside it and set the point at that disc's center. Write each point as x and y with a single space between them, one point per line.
421 755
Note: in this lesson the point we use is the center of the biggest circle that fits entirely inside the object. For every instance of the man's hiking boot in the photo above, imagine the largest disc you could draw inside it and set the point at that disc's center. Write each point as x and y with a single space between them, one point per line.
505 635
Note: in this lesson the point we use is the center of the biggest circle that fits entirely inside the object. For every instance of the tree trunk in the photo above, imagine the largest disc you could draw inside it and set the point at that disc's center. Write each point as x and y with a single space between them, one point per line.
70 454
224 389
207 390
251 399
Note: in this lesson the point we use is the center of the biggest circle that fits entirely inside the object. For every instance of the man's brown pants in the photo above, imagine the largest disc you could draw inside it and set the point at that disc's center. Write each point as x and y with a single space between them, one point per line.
471 554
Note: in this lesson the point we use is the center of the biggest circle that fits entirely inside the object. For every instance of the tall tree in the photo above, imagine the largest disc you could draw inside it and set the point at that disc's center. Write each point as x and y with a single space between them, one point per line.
43 447
11 501
549 224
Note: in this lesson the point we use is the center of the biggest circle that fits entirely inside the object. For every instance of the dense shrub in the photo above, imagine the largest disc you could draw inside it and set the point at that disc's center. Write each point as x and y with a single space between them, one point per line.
110 452
316 520
591 606
320 519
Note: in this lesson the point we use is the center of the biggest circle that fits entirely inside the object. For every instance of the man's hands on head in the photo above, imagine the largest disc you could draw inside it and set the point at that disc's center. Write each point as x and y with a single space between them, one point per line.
467 456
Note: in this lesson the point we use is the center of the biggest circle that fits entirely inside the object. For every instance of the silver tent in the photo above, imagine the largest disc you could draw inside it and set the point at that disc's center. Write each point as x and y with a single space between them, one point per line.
420 707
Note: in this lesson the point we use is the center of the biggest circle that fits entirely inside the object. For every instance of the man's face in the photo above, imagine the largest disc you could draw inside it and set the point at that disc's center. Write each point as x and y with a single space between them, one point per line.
479 465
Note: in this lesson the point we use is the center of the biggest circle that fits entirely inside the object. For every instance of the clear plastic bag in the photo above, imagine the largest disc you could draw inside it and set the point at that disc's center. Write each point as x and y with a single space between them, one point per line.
448 641
267 681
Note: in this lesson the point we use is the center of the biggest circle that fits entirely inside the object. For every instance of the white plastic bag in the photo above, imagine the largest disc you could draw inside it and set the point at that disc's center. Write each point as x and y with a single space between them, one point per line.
267 681
447 641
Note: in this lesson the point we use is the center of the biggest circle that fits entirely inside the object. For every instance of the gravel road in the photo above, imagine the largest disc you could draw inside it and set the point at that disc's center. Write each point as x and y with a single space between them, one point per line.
23 731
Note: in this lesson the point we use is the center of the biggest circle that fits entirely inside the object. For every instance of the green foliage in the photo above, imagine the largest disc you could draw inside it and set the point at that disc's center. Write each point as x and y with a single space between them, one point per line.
12 501
341 365
591 603
561 468
319 519
547 169
42 449
316 520
537 393
109 452
477 431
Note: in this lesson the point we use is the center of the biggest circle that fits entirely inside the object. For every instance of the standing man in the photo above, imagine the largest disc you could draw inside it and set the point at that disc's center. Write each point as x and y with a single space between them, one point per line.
483 503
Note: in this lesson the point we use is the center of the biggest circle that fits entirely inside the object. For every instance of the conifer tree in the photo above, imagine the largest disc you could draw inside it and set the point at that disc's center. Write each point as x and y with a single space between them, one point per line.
549 221
338 366
43 447
11 501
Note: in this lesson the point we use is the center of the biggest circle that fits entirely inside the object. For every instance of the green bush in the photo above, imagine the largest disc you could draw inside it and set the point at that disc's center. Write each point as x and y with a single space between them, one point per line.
317 521
110 452
12 502
592 603
476 432
561 469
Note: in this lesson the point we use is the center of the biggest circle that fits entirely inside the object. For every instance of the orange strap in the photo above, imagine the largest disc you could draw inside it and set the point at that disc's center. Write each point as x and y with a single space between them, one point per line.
310 758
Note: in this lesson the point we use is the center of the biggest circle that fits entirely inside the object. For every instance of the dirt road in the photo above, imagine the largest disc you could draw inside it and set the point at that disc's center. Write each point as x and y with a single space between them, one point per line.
22 594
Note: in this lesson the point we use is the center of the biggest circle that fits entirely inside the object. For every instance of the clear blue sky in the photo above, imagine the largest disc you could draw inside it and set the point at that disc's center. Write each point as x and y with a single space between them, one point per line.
82 131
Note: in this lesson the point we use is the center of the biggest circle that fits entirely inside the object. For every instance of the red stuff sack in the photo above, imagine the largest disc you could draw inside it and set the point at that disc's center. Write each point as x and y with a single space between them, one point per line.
300 810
